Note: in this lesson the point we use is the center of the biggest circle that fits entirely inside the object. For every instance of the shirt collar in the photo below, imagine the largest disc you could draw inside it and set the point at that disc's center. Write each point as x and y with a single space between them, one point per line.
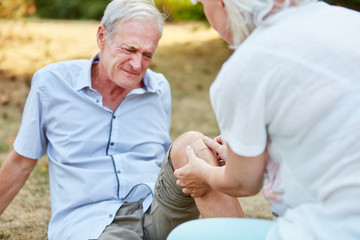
84 78
150 84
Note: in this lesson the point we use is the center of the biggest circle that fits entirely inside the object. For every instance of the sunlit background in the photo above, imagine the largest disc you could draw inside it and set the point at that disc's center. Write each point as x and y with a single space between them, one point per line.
34 33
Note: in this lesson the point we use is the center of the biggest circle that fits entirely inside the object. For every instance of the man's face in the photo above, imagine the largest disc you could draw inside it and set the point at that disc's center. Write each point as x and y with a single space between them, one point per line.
127 53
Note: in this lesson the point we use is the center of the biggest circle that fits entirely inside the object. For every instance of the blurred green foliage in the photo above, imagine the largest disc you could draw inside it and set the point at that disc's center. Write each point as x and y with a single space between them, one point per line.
353 4
181 9
93 9
90 9
70 9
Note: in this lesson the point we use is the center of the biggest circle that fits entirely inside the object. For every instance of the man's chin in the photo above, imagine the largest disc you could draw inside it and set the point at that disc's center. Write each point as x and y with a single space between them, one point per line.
129 85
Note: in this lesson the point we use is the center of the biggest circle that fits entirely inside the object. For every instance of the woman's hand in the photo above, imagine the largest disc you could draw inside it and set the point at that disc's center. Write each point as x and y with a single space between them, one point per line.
219 148
192 177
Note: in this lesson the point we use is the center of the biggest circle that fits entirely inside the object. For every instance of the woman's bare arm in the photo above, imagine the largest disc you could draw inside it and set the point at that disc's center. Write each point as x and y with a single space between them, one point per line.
241 176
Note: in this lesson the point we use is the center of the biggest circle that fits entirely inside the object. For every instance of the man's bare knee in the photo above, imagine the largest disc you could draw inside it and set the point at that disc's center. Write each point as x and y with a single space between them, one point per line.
178 156
204 152
193 138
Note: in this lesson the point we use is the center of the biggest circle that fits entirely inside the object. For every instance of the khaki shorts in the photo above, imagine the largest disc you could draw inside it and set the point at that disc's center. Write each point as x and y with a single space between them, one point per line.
170 207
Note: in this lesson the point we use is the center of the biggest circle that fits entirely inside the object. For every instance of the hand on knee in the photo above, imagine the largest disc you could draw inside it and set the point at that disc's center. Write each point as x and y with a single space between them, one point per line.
177 155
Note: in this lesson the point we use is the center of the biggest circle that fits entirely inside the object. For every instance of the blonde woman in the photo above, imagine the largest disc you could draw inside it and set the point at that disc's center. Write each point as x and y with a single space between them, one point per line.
287 103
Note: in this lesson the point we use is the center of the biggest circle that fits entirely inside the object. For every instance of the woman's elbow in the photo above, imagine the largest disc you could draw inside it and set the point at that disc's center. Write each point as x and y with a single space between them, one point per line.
239 190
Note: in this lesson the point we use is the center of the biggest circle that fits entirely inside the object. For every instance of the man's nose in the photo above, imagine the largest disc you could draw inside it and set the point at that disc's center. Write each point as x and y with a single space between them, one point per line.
136 61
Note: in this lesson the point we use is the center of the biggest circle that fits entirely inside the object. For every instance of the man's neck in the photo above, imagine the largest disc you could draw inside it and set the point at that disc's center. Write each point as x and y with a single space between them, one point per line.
111 93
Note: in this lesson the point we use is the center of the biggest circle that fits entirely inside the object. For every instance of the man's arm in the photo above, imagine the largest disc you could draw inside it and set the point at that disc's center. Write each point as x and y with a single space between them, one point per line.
13 174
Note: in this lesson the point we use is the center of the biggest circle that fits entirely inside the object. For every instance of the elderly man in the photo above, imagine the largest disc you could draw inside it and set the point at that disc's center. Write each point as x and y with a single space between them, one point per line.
104 123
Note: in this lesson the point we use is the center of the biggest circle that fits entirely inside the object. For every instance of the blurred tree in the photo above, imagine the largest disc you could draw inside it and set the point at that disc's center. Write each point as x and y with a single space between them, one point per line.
71 9
181 9
93 9
354 4
16 8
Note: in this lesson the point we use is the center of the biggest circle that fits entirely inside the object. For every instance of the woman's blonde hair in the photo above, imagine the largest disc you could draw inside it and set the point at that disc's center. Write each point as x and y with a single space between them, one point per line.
245 15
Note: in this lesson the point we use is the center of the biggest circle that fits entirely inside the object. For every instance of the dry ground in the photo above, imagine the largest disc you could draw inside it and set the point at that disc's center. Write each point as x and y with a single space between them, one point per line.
189 55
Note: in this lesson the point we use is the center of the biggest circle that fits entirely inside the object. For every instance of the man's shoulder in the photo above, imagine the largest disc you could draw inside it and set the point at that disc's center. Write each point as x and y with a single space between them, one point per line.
155 75
64 66
64 71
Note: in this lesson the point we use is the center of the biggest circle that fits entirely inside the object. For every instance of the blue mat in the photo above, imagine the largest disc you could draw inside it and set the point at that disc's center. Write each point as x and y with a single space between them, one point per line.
222 229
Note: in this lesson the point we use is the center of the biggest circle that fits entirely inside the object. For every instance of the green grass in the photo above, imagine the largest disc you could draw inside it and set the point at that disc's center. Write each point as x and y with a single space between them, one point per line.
4 147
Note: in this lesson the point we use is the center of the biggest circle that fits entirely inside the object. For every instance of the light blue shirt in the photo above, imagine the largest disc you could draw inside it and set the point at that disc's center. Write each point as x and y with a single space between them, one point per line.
98 159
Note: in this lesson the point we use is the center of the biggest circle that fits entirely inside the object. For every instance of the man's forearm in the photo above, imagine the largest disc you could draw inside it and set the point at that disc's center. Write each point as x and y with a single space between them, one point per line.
13 174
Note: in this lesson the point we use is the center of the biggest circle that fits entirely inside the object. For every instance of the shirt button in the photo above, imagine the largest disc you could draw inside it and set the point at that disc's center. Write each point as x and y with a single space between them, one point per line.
114 117
118 172
110 215
97 101
112 144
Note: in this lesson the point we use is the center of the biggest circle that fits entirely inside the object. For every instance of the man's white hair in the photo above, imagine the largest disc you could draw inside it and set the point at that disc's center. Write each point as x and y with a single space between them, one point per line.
121 11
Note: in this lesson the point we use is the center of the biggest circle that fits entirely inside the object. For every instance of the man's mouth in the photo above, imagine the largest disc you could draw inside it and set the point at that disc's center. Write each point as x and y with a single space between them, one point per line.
130 72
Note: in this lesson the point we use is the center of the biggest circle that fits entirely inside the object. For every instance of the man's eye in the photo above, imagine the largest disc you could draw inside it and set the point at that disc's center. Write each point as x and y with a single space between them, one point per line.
148 56
129 50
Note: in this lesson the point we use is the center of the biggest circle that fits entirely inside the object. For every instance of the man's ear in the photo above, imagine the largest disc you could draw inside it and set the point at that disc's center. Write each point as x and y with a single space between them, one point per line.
100 36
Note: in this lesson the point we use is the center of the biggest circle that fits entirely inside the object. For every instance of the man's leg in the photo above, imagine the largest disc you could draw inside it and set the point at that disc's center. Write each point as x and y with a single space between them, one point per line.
211 204
171 207
127 224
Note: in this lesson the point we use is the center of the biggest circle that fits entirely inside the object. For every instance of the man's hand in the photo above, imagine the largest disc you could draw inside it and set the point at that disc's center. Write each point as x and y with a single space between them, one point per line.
192 177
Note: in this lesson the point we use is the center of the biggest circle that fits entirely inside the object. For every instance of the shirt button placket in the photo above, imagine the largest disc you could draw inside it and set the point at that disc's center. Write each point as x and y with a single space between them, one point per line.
112 143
